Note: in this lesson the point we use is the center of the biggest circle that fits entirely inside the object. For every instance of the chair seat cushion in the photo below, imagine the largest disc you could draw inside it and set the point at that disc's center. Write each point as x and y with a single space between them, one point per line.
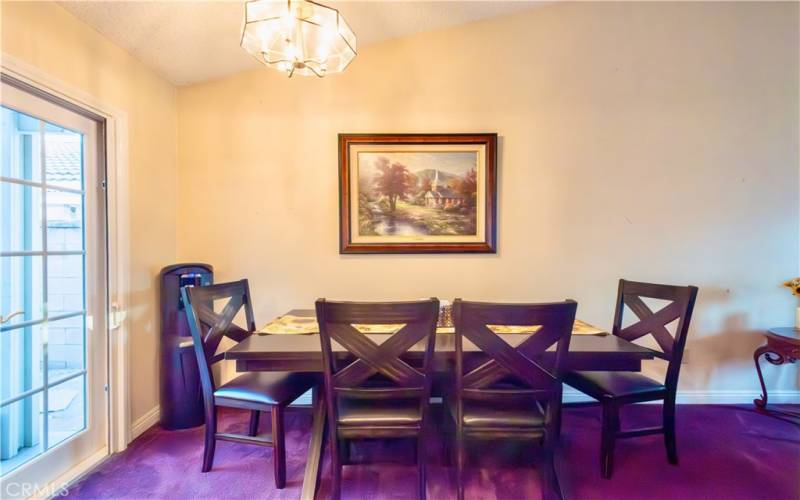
601 383
270 388
481 414
377 412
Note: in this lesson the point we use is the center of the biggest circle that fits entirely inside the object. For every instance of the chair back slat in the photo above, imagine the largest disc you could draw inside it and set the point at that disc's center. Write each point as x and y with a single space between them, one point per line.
377 359
209 327
506 360
377 371
376 313
523 363
680 305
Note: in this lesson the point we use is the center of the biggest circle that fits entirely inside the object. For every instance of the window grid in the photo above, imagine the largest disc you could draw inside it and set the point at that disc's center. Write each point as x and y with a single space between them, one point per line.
43 185
45 319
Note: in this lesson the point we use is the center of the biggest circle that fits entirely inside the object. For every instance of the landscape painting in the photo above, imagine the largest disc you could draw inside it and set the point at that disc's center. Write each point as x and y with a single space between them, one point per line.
413 194
417 193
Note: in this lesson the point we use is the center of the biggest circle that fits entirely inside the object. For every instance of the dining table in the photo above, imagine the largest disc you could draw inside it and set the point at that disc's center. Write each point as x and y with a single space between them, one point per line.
291 342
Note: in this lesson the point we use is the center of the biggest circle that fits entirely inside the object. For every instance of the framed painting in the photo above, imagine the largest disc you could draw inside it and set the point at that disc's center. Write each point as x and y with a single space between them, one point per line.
418 193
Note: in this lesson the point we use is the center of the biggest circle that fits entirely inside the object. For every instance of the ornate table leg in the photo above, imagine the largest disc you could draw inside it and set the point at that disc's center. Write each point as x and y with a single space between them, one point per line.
762 401
776 352
315 448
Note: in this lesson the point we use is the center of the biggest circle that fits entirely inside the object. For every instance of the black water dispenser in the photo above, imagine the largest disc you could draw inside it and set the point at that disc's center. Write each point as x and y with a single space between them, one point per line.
180 395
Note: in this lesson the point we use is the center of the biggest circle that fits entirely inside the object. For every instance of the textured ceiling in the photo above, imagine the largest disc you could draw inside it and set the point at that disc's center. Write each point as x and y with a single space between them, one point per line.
189 42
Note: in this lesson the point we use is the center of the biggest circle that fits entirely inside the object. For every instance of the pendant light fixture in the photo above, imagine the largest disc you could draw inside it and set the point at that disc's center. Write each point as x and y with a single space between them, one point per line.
298 37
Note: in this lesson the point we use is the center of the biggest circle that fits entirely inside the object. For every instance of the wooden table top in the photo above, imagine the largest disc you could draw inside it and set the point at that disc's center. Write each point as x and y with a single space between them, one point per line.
307 346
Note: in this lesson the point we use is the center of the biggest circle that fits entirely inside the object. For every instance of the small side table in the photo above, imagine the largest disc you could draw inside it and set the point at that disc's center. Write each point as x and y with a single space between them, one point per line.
783 346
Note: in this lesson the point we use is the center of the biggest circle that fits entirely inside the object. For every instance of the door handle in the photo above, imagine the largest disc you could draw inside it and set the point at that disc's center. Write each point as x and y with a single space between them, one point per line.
117 317
6 319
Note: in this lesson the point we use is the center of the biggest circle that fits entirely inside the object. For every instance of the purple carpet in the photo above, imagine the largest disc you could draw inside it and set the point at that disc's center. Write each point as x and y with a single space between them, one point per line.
730 452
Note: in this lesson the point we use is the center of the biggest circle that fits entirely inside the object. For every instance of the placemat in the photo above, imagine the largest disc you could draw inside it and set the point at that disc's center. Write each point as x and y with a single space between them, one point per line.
299 325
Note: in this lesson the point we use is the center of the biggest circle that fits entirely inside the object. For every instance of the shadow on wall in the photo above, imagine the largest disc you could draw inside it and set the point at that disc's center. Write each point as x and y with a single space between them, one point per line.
723 359
732 347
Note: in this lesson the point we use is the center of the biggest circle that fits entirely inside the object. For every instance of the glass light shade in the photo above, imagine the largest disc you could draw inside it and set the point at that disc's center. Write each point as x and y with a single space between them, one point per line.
298 36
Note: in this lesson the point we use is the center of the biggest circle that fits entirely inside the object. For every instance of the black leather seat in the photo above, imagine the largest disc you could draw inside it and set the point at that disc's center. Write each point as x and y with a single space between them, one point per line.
490 415
372 412
269 388
599 384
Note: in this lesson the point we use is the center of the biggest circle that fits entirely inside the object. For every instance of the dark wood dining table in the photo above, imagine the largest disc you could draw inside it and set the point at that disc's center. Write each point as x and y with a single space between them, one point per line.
302 352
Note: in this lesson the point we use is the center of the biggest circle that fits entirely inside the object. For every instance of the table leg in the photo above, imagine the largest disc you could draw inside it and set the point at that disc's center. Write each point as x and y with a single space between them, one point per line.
762 401
316 447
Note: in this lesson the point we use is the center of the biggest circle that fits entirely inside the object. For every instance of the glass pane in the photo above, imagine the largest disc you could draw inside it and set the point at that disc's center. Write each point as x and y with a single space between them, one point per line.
65 347
20 217
20 361
64 284
66 410
21 288
64 221
20 432
63 152
21 151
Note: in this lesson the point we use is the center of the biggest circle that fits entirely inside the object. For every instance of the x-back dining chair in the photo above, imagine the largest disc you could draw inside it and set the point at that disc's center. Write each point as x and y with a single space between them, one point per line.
515 394
373 393
616 389
254 391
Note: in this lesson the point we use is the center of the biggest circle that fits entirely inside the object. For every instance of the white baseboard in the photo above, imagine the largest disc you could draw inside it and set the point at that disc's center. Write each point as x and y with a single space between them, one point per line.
709 397
144 422
684 397
151 418
736 397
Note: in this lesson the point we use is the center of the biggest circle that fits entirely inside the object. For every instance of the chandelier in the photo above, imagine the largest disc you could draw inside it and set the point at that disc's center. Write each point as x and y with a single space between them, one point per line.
298 37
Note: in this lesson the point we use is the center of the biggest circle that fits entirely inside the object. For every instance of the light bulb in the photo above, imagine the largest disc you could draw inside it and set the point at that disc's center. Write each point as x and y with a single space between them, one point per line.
287 21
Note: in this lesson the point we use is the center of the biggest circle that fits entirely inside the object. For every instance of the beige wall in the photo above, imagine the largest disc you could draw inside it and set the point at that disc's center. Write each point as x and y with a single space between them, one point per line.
45 36
655 142
648 141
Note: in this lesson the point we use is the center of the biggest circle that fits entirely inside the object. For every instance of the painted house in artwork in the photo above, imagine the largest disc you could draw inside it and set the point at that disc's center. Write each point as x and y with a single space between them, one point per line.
442 196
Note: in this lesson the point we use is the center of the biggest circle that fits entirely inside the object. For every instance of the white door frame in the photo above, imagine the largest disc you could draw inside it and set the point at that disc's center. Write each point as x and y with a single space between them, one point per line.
118 233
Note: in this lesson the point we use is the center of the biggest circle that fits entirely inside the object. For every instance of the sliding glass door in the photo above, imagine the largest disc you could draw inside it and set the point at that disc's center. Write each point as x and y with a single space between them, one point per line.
53 332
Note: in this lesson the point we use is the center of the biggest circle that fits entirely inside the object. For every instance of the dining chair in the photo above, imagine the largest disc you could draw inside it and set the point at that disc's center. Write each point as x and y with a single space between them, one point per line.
254 391
512 391
614 389
376 392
